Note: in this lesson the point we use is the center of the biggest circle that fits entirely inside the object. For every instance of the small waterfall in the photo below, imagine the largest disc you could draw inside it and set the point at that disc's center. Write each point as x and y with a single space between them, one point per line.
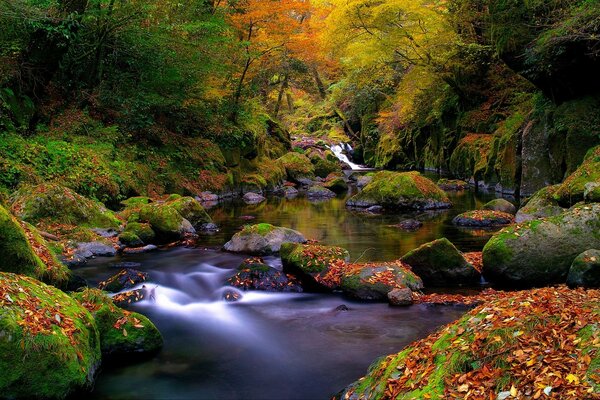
338 150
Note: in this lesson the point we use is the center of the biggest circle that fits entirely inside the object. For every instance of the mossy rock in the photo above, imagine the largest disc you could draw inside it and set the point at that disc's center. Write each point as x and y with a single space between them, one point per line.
373 281
475 349
541 205
124 279
540 252
143 231
401 190
573 189
336 184
297 166
319 192
122 333
136 201
21 248
439 263
49 344
130 239
453 185
166 221
501 205
312 263
191 210
254 274
483 218
262 239
55 203
325 167
585 270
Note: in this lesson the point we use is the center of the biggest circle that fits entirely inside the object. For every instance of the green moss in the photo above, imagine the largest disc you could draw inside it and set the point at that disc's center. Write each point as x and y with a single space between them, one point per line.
130 239
50 363
325 167
143 231
297 166
311 258
164 219
573 188
191 210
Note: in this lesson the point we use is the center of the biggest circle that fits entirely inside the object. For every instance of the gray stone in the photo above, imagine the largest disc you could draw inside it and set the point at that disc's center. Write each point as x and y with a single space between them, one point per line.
262 239
95 249
585 270
253 198
400 297
501 205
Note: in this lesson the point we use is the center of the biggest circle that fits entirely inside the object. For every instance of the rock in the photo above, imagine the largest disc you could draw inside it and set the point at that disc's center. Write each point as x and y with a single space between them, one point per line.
373 281
140 230
585 270
130 239
452 185
125 299
375 209
136 201
126 264
501 205
191 210
166 221
138 250
401 190
106 233
262 239
573 189
21 247
341 307
541 252
254 274
253 198
49 344
591 192
363 181
290 192
306 182
483 219
207 197
409 225
336 184
125 279
325 167
540 205
55 203
319 192
95 249
313 264
400 297
439 263
122 333
297 166
231 296
209 227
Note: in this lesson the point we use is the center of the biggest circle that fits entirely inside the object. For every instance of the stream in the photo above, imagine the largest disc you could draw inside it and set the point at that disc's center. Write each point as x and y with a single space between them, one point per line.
269 345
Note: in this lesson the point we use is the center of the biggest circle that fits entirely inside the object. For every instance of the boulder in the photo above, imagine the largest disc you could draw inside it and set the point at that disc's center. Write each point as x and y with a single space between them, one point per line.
573 189
324 167
125 279
140 230
297 166
55 203
483 219
542 204
585 270
24 251
262 239
95 249
373 281
401 190
363 181
452 185
49 344
319 192
290 192
501 205
139 250
130 239
254 274
315 265
253 198
336 184
541 252
400 297
190 209
439 263
122 333
166 221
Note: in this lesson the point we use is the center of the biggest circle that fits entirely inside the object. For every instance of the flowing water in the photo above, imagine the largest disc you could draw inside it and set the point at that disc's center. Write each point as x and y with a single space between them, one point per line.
274 346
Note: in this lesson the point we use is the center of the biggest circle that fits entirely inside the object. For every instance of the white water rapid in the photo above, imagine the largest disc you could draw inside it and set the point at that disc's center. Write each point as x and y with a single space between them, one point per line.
338 150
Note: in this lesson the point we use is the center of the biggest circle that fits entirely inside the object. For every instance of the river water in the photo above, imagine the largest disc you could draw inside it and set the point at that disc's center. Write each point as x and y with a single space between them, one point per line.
274 346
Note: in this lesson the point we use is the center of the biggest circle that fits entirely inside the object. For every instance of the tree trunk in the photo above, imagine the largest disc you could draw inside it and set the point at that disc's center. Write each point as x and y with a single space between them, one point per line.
319 83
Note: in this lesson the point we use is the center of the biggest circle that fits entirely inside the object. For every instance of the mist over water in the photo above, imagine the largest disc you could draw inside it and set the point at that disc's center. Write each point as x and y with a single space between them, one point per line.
271 345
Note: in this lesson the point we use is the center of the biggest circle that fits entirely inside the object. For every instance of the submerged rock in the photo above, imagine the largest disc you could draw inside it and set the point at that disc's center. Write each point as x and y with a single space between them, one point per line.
439 263
542 204
138 250
49 344
408 225
501 205
253 198
254 274
262 239
541 252
125 279
401 190
585 270
319 192
483 218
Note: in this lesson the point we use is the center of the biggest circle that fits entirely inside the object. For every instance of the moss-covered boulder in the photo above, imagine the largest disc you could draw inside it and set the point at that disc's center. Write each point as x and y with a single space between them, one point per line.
49 344
24 251
190 209
585 270
122 333
501 205
318 192
511 347
297 166
373 281
130 239
55 203
324 167
542 204
401 190
439 263
452 185
254 274
315 265
165 221
141 230
483 218
540 252
573 189
336 184
262 239
124 279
